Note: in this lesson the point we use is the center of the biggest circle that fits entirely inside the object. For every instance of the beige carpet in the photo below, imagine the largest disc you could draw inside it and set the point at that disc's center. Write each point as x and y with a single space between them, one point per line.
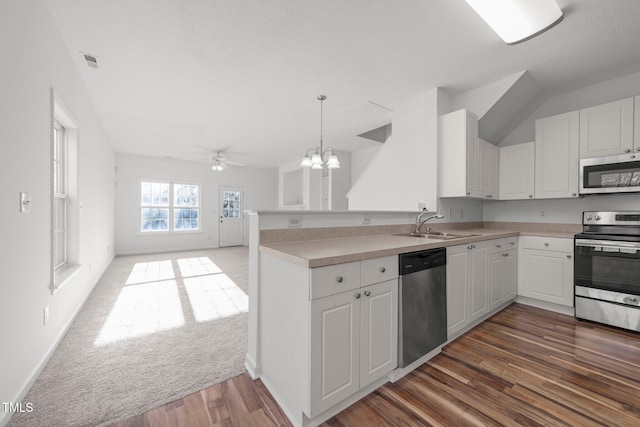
156 328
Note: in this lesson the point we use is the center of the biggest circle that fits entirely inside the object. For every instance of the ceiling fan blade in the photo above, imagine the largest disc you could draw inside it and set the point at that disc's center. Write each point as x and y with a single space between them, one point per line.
233 163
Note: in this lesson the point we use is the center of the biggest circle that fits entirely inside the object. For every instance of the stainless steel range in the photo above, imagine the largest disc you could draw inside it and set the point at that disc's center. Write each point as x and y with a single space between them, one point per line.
607 269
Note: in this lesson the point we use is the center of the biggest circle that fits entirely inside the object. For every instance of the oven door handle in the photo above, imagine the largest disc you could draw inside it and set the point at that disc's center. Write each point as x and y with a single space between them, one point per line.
609 245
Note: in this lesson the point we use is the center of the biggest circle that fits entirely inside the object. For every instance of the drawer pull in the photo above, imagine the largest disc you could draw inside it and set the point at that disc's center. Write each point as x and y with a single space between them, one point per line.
339 279
513 243
382 269
569 256
630 300
367 293
546 243
357 295
498 246
505 254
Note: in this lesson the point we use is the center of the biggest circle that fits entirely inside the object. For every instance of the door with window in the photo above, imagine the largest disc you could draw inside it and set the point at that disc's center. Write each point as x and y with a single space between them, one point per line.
231 222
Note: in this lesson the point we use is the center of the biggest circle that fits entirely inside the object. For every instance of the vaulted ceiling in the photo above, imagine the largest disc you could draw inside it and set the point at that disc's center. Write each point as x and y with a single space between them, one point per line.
176 78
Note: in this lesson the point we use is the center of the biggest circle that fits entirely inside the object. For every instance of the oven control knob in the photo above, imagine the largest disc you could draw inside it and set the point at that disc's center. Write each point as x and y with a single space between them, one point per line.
598 218
589 217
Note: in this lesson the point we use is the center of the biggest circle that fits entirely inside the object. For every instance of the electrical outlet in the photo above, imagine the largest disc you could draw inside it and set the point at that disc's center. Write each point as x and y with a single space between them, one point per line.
450 212
461 213
46 315
543 214
366 219
294 221
25 202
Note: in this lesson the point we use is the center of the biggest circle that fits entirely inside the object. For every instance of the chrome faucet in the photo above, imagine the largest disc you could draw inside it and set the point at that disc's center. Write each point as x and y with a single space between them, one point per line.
420 221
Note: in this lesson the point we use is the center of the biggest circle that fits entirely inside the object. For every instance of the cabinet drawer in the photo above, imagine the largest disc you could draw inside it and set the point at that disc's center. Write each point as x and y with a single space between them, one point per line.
334 279
501 245
378 270
547 243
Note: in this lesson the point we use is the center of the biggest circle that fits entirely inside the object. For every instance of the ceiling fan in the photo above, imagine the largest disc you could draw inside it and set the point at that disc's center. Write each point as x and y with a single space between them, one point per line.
219 162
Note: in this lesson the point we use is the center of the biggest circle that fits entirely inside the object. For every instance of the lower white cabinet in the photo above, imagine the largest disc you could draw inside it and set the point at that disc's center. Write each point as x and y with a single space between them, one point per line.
481 276
547 270
326 333
354 339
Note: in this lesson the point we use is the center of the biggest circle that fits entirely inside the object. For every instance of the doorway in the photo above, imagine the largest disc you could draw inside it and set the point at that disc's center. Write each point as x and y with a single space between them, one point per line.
231 223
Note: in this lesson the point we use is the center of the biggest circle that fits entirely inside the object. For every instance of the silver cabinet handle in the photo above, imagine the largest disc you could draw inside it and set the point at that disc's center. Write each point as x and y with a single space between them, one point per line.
339 279
531 196
569 256
357 295
367 293
630 300
473 246
633 156
574 194
513 243
546 243
489 195
505 254
637 148
498 246
382 269
470 247
468 193
627 150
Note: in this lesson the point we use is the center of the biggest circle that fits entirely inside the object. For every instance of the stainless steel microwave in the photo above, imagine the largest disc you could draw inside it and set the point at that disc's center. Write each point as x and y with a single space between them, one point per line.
613 174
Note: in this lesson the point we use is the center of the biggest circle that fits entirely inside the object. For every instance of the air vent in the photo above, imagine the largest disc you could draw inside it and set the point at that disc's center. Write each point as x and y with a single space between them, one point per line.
91 60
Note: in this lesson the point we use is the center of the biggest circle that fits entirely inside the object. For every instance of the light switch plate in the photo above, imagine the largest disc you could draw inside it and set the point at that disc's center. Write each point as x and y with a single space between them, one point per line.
25 202
294 221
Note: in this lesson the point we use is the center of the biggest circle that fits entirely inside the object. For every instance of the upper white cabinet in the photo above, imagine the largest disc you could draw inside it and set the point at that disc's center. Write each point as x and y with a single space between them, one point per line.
467 165
556 152
636 121
517 172
607 129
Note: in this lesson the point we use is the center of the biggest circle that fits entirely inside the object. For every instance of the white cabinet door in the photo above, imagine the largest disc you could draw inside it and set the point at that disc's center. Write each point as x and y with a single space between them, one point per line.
547 276
378 331
607 129
478 281
458 152
335 349
636 125
517 171
557 156
510 284
457 312
493 171
496 274
487 170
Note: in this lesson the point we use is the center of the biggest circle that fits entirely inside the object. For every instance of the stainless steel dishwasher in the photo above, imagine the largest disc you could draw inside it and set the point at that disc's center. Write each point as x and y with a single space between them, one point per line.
422 313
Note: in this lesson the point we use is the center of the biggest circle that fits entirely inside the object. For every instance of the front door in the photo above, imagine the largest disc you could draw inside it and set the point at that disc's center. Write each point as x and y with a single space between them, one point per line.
231 223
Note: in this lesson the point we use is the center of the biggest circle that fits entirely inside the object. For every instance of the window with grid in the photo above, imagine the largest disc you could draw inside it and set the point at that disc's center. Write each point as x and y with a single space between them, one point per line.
166 206
60 196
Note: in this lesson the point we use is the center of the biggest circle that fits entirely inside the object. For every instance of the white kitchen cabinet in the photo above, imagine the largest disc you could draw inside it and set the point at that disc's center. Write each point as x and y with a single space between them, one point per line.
457 279
326 333
468 166
488 169
546 270
517 173
607 129
503 278
556 149
636 125
478 280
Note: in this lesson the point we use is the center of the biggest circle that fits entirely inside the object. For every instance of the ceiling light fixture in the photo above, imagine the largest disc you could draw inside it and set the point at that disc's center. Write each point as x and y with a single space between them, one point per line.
217 166
518 20
317 159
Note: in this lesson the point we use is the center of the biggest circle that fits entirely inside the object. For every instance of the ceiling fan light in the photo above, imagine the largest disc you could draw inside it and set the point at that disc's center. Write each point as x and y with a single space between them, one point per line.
517 20
333 162
306 162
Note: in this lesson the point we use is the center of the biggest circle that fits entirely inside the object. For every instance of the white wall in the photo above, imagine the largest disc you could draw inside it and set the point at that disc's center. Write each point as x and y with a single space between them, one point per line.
35 61
565 210
340 182
360 160
403 173
260 192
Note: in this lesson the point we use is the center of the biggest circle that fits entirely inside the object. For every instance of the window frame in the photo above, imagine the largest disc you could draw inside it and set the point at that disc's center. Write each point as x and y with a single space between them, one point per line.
60 180
171 207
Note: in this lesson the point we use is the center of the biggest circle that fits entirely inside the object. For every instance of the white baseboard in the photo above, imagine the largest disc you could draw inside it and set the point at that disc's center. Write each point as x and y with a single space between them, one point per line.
6 416
562 309
250 366
164 251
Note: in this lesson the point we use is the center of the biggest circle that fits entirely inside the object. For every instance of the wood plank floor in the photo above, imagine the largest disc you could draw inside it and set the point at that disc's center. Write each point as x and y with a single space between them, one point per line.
524 366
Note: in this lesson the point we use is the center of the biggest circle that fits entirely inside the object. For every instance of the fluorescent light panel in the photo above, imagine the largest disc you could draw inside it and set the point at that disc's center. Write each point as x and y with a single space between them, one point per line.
517 20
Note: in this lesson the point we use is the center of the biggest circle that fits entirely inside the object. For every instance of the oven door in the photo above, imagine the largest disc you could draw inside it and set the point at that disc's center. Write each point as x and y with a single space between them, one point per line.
607 264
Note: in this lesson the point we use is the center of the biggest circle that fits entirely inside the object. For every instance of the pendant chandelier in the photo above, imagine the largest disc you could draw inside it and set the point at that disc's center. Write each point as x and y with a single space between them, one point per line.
316 160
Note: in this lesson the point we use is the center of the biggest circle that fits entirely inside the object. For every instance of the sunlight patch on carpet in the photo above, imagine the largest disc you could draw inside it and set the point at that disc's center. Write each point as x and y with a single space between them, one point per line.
155 271
215 296
141 310
190 267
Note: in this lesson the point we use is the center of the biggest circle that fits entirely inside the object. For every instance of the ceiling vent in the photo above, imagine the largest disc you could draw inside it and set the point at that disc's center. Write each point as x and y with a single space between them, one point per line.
91 60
